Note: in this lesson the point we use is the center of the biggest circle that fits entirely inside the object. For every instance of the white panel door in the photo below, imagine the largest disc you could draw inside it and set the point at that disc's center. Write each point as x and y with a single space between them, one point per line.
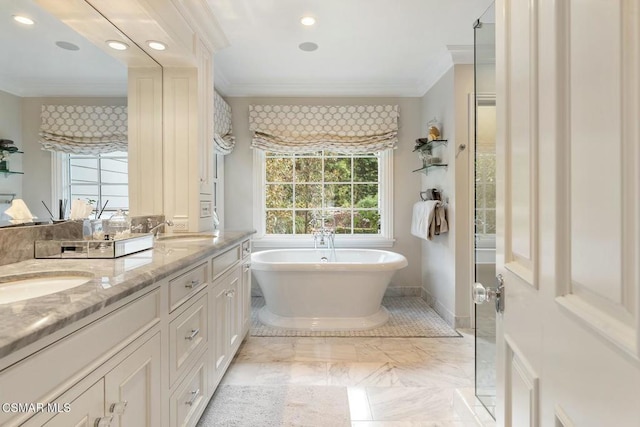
132 389
568 192
86 410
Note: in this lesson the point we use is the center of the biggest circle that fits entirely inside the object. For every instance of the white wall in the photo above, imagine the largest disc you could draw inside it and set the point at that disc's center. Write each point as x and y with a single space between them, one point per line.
10 128
446 272
239 174
36 162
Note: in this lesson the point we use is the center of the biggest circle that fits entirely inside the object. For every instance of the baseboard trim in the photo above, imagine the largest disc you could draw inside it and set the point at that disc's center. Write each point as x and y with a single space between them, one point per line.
452 320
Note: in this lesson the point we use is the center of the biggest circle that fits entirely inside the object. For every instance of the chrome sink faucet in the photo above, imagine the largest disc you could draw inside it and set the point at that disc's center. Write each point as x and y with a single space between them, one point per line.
154 229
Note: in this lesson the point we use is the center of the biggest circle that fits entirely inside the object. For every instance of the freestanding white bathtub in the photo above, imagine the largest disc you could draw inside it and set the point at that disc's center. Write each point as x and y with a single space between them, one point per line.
308 289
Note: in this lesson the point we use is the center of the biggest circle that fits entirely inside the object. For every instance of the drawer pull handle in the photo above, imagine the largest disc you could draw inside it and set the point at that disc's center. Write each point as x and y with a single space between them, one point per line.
194 396
247 267
192 284
103 422
118 408
193 334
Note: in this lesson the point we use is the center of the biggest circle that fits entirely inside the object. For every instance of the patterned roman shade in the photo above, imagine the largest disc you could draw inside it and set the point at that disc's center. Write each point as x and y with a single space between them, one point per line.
83 129
223 133
351 129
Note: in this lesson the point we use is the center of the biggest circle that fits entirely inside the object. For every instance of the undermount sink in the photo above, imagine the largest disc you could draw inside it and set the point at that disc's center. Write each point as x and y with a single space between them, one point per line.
26 286
186 238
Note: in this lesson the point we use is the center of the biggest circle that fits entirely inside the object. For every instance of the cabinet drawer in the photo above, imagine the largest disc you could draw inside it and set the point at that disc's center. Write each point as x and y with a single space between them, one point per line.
59 365
186 284
222 262
187 335
186 403
246 248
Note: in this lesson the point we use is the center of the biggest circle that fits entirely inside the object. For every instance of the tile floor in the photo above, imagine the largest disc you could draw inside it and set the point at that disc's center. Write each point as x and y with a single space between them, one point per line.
358 382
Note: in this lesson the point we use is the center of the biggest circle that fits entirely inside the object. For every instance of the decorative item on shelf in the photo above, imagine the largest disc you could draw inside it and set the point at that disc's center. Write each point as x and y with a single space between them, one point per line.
425 148
433 130
7 148
7 145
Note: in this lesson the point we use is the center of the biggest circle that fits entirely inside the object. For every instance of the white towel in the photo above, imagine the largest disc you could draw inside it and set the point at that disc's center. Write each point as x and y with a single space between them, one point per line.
423 218
19 210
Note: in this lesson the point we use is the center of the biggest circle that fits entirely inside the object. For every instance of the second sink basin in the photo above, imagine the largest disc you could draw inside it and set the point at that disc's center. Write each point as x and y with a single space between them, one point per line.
27 286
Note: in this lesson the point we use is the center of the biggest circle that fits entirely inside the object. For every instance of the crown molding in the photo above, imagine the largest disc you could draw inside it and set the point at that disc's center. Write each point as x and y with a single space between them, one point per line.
40 88
200 15
461 53
310 87
434 73
320 89
453 55
220 81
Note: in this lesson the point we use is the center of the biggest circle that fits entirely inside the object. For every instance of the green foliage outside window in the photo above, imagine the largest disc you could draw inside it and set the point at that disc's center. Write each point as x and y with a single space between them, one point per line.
342 189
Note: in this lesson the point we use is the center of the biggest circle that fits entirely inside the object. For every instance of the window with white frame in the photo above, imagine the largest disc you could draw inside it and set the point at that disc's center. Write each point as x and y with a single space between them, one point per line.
101 178
348 192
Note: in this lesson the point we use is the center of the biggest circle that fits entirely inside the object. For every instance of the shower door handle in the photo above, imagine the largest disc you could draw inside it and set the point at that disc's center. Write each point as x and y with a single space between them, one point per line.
482 294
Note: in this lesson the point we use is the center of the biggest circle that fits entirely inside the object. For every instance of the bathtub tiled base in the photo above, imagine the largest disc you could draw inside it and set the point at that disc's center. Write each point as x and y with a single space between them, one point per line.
409 317
364 323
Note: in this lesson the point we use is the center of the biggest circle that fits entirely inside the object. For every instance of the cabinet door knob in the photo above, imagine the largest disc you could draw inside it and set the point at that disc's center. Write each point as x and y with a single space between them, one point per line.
192 284
192 335
103 421
230 293
194 396
118 407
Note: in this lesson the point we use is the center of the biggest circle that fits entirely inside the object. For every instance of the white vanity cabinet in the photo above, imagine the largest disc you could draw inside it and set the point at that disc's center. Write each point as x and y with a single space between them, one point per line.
94 370
128 395
88 409
224 297
132 389
153 361
246 286
230 302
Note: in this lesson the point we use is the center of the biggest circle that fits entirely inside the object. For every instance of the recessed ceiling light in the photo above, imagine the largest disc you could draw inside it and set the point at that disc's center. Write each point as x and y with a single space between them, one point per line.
156 45
23 20
114 44
67 46
307 20
308 46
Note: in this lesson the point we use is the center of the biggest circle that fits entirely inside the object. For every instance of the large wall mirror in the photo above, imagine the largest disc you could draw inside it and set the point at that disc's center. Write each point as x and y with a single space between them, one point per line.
47 62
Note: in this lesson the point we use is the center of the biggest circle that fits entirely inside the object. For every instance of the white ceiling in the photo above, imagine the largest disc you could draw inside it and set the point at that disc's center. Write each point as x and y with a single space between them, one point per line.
366 47
32 65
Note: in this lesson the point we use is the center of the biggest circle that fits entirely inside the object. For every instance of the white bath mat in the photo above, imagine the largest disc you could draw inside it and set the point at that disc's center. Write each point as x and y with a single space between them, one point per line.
408 317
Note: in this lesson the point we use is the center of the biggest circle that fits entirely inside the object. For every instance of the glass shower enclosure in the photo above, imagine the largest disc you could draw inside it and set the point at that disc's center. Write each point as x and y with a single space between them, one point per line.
485 204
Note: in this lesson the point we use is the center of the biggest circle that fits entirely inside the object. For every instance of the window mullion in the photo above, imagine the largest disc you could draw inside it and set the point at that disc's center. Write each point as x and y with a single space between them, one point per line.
293 194
353 190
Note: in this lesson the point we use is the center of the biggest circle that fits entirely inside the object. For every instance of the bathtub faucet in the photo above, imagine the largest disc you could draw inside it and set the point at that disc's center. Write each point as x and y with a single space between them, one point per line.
325 235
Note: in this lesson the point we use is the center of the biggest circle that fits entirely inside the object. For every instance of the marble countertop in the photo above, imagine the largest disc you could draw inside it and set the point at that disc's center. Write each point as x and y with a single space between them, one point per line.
25 322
